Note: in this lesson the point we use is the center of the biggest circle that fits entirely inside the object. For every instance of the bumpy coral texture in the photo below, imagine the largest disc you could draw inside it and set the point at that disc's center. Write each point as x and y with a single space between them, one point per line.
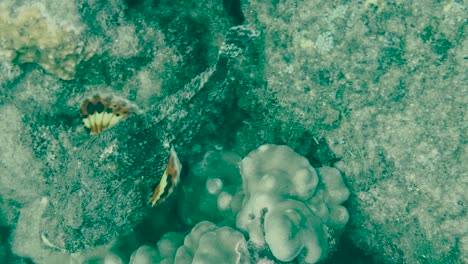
29 34
288 206
206 243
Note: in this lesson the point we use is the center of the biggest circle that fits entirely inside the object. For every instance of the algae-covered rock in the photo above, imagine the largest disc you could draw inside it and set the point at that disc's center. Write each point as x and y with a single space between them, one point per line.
383 85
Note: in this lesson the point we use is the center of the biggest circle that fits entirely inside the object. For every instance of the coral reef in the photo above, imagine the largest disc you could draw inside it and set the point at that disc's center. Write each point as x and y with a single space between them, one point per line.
374 89
288 209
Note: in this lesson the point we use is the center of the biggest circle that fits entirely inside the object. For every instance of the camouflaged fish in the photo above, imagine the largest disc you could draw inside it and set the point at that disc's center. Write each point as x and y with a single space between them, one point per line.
102 112
132 161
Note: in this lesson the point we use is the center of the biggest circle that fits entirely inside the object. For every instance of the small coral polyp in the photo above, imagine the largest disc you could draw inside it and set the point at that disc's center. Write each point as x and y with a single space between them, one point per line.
102 112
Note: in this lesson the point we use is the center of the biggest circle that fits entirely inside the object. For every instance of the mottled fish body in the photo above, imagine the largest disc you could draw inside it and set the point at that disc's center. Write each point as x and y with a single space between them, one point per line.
131 161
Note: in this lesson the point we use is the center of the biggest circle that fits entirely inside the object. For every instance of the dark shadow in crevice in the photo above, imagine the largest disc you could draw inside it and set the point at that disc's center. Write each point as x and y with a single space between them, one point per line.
234 11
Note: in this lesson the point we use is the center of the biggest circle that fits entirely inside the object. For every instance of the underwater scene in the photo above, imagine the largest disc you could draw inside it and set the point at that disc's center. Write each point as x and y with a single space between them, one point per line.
233 132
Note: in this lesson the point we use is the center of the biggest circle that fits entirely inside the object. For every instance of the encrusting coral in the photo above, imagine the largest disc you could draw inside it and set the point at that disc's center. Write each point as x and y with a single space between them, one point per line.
29 35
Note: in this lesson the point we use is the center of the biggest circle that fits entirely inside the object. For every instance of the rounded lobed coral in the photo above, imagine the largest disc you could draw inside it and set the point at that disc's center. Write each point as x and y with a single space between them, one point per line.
208 243
286 208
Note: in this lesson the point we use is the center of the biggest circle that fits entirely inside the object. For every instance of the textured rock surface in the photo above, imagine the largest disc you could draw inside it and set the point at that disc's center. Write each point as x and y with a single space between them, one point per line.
20 173
385 84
